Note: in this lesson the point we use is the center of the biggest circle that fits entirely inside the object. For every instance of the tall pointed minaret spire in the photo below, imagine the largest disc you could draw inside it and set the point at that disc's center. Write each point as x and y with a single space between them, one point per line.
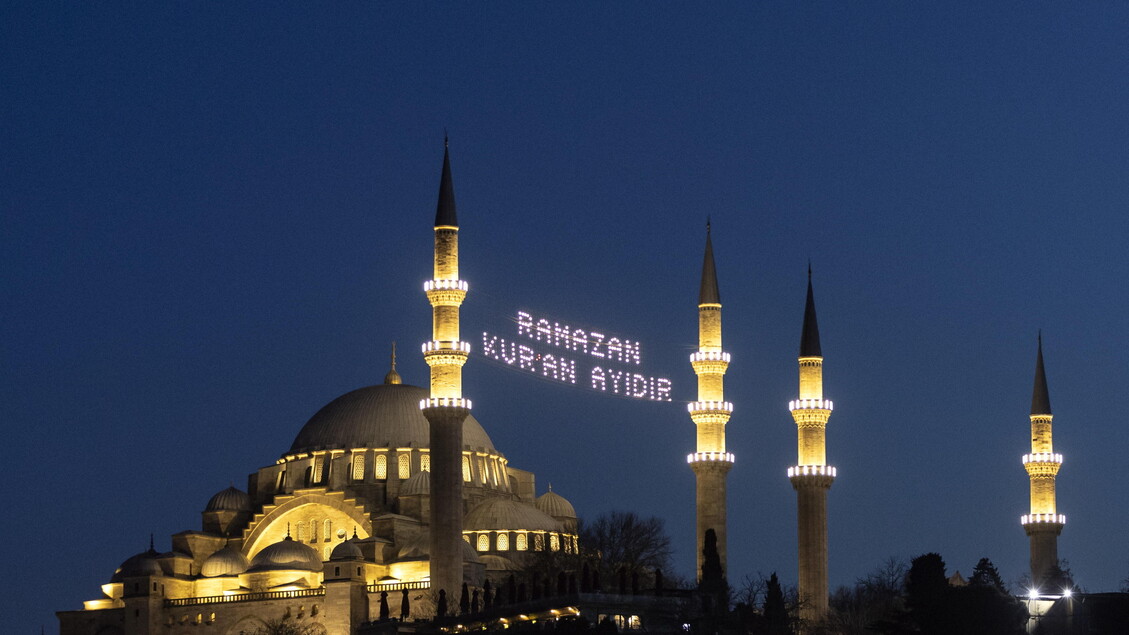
812 476
710 413
1044 524
446 409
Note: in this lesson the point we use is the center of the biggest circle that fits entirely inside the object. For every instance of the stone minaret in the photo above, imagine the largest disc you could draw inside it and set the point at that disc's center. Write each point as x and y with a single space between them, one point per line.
446 409
812 477
1044 523
710 412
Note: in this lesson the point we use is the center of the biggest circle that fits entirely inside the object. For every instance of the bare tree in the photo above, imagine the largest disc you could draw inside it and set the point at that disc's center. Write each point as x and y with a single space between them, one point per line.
625 540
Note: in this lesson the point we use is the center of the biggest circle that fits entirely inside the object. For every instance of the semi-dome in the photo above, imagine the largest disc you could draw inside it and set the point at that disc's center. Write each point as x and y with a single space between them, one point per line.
494 514
286 554
142 564
418 484
381 416
555 505
226 561
230 499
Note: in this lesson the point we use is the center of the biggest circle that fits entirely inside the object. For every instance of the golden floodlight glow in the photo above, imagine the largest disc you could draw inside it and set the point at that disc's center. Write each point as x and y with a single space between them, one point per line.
436 345
1042 457
709 406
709 356
444 285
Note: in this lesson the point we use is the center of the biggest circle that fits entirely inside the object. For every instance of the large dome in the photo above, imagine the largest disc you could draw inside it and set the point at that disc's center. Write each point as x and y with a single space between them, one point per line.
286 554
381 416
499 514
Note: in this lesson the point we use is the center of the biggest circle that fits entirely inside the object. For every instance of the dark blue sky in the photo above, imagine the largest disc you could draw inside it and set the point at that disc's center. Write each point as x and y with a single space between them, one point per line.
215 219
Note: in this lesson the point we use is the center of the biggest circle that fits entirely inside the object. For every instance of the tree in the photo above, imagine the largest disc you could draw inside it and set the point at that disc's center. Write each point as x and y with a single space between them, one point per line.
926 585
985 574
625 540
713 587
775 610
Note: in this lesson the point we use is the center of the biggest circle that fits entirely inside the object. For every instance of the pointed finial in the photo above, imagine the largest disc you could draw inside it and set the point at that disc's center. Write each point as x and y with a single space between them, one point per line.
393 377
446 141
288 531
809 270
151 543
354 532
550 487
707 224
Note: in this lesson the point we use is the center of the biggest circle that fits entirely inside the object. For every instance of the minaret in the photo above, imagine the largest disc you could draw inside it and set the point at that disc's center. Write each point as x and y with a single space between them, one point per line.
710 413
1044 523
812 477
446 409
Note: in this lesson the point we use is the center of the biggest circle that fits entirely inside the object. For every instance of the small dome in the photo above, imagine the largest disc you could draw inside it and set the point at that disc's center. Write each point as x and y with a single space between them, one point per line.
418 484
230 499
498 563
555 505
142 564
347 550
286 554
226 561
496 514
420 548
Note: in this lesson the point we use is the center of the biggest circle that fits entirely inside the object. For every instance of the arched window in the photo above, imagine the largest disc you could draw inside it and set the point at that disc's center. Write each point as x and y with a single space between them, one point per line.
503 542
538 542
466 469
300 531
319 468
522 542
313 531
381 468
483 542
554 542
328 530
359 466
482 470
425 462
404 466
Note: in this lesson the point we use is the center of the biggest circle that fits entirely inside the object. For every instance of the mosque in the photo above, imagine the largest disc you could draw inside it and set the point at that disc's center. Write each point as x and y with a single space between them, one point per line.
348 515
394 496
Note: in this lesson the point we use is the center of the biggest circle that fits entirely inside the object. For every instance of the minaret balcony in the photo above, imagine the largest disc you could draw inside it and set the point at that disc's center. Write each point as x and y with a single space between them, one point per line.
711 407
445 292
1042 457
440 353
810 404
444 402
1042 519
710 457
808 476
709 362
812 470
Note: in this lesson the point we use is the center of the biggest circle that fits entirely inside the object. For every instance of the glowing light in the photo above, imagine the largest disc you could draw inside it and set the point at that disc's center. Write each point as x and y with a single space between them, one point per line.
1042 457
813 470
443 285
703 356
720 457
1067 593
1035 519
578 340
444 402
810 404
437 345
1033 594
709 406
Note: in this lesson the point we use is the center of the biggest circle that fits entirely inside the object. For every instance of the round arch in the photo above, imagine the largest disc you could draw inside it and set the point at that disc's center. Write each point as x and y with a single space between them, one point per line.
308 508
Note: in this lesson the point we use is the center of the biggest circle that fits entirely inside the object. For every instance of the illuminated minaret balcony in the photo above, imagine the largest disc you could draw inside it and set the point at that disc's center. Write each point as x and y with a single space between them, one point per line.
1042 464
709 362
812 475
711 457
1042 519
811 404
446 292
439 353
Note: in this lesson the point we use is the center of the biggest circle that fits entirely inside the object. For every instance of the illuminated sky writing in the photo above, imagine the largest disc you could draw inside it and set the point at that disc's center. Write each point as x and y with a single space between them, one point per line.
527 353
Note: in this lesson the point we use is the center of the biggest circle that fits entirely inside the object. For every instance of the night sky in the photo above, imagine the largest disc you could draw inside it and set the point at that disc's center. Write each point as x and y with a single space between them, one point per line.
216 219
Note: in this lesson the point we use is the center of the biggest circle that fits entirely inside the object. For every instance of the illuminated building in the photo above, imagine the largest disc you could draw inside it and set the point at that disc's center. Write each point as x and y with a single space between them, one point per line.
711 462
369 498
812 476
1044 523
